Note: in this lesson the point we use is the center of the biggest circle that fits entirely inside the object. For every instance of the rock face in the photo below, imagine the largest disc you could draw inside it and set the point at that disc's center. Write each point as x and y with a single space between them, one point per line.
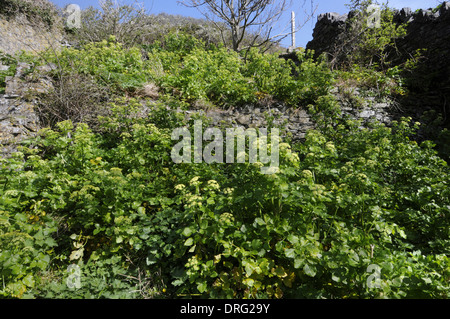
426 29
18 119
19 34
430 31
326 32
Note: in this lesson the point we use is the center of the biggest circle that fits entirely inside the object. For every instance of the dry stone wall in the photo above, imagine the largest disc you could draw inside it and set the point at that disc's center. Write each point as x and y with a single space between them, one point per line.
428 30
18 119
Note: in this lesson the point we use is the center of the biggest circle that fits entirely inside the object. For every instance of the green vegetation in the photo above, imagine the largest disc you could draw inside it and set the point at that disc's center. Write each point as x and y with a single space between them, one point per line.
367 44
196 71
107 197
35 10
225 78
10 63
107 61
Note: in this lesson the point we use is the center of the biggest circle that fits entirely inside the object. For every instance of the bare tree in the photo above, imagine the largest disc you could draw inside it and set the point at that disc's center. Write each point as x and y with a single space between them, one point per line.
129 23
249 23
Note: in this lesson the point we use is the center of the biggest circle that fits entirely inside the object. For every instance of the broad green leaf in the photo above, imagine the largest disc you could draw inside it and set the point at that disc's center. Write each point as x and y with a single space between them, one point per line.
280 272
309 270
187 231
298 262
28 281
189 242
290 253
202 287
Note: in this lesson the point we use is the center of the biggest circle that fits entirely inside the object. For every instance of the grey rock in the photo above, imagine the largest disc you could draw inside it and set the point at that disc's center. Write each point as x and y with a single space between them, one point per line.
4 67
332 17
21 68
243 119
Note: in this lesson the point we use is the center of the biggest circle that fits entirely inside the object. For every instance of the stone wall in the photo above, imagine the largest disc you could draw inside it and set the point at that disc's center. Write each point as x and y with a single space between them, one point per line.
18 119
296 122
426 29
429 83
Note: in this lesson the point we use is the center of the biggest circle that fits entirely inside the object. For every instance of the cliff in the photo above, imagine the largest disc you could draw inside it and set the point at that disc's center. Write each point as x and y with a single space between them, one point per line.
429 83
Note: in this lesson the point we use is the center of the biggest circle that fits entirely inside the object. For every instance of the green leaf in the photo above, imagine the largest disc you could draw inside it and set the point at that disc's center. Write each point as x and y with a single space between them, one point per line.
177 282
50 242
150 260
335 278
290 253
298 263
397 282
248 267
189 242
76 254
309 270
28 281
249 282
280 272
293 239
187 231
259 222
202 287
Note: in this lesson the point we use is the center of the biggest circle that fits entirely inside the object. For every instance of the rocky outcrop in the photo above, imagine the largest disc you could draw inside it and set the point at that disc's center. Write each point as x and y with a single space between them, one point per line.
18 33
328 28
18 121
428 30
18 117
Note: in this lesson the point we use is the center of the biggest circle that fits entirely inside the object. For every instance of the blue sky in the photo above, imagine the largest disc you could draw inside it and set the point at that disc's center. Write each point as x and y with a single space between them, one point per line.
302 37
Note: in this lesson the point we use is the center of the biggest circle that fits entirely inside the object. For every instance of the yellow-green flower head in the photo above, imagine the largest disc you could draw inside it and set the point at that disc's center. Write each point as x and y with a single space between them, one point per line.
330 146
213 184
195 181
226 218
258 164
307 174
284 146
179 187
116 171
194 200
362 177
228 191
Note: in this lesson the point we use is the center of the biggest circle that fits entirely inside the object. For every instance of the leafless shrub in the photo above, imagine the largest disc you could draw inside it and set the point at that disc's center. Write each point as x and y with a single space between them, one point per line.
148 286
129 23
74 97
246 24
